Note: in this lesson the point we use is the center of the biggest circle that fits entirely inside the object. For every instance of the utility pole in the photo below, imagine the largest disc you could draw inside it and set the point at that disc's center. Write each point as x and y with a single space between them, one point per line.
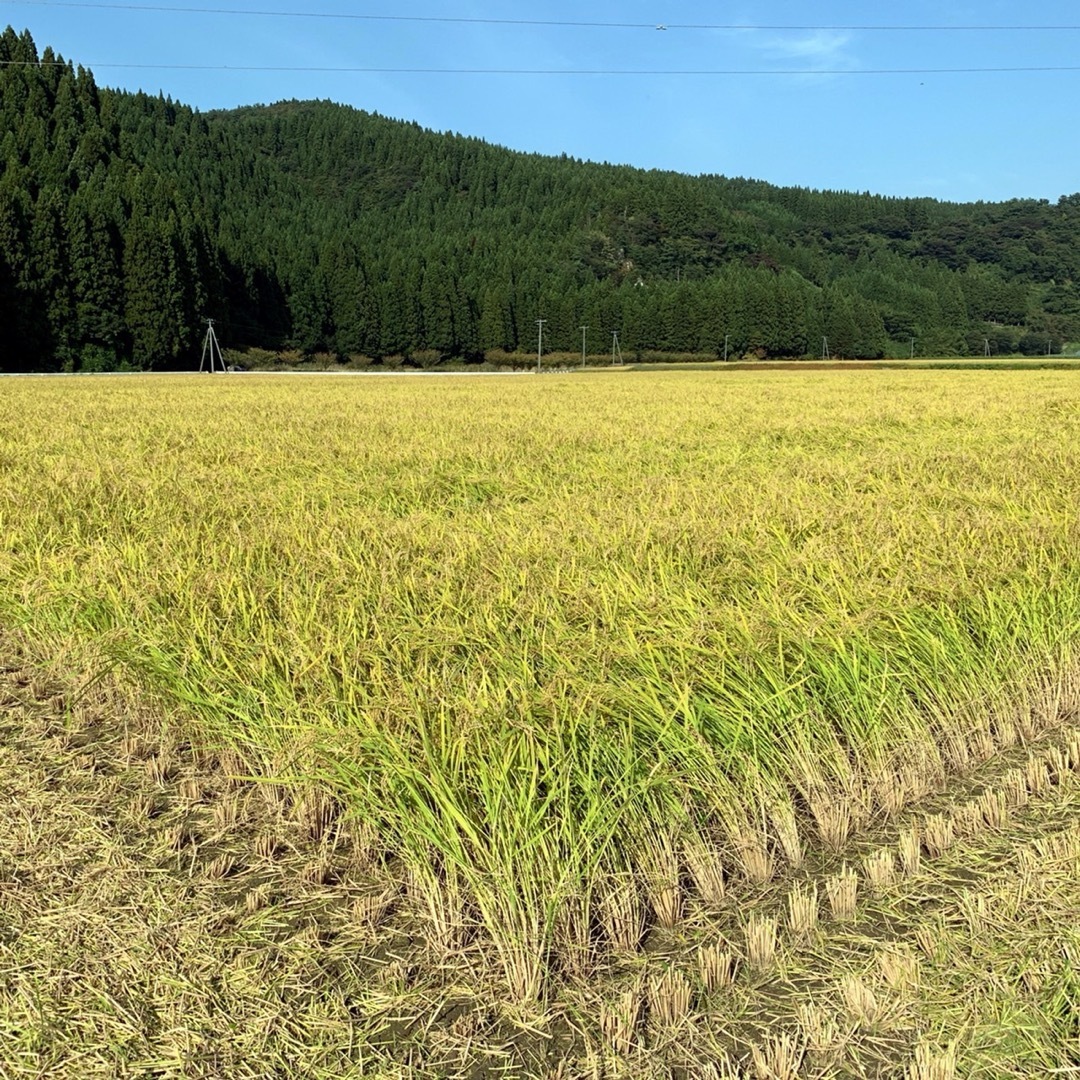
825 355
615 350
986 344
583 329
210 347
539 340
912 348
726 336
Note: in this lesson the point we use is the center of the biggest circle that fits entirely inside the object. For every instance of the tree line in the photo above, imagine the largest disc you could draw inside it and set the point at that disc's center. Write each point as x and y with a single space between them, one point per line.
127 218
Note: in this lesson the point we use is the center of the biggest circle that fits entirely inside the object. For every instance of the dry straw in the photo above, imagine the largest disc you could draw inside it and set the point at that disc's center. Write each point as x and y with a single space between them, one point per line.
860 1001
994 809
1014 786
1037 778
833 814
623 915
1072 751
823 1036
754 856
932 1063
1057 761
371 908
221 867
787 833
982 745
660 862
899 967
706 868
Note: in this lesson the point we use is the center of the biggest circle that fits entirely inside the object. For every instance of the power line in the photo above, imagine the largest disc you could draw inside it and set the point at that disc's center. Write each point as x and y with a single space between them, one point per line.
100 5
701 72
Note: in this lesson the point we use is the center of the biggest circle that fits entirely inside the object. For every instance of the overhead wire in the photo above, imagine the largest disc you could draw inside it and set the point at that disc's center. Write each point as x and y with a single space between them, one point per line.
363 70
105 5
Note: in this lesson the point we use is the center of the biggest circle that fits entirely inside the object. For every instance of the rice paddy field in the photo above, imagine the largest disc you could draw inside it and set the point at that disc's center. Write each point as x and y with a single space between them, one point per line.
621 724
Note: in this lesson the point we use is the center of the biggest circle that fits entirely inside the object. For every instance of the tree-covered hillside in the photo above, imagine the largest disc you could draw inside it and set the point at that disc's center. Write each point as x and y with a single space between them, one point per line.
126 218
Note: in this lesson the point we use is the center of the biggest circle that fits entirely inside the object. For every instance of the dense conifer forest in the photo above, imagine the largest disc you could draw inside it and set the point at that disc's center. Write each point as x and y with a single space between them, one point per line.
125 219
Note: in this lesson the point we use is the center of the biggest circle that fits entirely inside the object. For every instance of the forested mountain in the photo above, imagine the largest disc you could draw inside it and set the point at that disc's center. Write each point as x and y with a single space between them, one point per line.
126 218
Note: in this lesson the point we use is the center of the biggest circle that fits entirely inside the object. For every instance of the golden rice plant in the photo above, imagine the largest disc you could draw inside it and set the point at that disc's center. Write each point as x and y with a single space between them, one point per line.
514 626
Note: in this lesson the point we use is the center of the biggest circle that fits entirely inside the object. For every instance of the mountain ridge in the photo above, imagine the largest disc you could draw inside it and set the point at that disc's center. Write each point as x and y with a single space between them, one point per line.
126 218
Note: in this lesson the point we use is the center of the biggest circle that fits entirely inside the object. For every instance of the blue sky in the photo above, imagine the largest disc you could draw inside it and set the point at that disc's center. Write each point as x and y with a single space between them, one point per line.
833 124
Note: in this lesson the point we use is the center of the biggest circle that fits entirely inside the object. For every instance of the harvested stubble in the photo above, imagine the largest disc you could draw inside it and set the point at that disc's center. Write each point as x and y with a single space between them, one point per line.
880 869
779 1058
802 906
910 850
716 966
787 833
761 939
707 869
670 995
842 890
932 1063
516 625
938 834
899 967
859 1000
619 1019
824 1038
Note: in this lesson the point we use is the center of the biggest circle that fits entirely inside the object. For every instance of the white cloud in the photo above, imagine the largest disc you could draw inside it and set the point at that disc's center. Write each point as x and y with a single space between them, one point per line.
816 50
